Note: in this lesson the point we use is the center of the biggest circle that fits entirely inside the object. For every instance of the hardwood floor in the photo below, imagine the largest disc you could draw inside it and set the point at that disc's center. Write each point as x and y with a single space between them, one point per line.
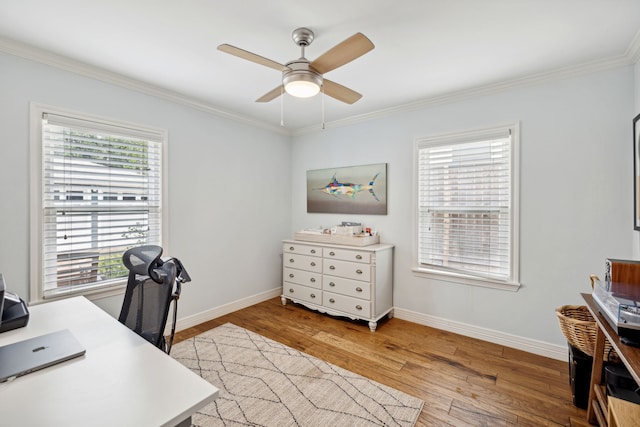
463 381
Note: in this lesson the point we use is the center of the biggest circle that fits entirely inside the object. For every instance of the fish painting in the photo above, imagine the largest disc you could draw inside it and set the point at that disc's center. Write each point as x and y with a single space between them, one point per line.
337 188
344 190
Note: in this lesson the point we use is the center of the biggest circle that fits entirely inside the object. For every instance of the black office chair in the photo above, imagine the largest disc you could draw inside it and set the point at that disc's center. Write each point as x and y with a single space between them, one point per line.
152 286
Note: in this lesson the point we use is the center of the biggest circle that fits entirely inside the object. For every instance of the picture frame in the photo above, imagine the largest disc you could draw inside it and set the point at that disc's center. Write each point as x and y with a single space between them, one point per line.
636 173
348 190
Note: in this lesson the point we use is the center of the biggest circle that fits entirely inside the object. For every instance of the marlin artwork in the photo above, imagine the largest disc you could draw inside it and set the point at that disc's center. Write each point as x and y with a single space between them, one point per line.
358 189
337 188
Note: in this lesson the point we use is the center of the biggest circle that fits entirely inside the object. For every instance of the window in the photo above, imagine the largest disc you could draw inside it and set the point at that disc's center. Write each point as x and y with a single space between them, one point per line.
467 207
97 190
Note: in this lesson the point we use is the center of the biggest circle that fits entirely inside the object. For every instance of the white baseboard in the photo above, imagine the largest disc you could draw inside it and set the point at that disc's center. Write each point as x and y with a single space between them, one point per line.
205 316
541 348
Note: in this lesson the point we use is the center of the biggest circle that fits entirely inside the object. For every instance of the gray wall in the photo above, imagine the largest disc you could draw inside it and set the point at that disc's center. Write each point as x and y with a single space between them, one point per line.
575 195
236 190
220 177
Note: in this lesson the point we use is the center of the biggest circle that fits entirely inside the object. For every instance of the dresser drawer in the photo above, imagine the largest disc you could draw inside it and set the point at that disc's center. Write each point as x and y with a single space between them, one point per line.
303 293
302 262
302 277
355 306
296 248
350 270
339 285
347 255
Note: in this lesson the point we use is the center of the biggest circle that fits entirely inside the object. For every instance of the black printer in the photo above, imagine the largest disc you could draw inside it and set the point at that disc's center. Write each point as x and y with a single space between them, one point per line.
13 310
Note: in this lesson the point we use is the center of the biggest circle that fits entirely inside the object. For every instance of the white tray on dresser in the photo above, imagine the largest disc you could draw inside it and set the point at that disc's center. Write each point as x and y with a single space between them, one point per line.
340 280
338 239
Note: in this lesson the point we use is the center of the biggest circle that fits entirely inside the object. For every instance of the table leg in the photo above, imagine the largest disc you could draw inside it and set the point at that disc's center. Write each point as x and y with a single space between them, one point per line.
596 374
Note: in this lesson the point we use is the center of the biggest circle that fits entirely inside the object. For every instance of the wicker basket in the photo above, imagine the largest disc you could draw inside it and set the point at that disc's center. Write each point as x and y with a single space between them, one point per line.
579 328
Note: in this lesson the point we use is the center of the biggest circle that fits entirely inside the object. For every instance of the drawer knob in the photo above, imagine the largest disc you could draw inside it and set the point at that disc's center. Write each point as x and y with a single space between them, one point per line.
313 280
358 256
313 295
331 284
331 300
313 251
332 253
291 260
358 307
313 264
358 289
359 271
331 267
291 248
291 275
290 290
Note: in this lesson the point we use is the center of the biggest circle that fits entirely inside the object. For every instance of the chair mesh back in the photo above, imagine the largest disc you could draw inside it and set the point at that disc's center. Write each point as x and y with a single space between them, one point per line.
146 302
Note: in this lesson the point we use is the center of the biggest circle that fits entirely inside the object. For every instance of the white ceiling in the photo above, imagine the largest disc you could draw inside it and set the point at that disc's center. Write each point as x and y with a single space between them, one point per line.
425 49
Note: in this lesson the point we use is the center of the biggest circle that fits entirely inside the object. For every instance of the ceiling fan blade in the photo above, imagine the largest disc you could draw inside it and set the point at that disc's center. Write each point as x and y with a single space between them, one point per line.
249 56
342 53
271 95
339 92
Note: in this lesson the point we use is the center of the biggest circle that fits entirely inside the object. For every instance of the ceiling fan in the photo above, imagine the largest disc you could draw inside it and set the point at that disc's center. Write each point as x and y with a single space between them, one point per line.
303 78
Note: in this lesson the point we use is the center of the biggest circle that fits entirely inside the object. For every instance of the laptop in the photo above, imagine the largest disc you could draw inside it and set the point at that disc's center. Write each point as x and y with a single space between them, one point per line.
23 357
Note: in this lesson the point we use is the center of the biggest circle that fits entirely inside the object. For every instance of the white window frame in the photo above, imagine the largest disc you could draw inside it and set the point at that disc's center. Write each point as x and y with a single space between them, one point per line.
114 286
511 283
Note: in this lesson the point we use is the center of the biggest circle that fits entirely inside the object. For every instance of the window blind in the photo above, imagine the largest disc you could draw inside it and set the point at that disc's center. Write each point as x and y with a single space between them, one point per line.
101 195
464 204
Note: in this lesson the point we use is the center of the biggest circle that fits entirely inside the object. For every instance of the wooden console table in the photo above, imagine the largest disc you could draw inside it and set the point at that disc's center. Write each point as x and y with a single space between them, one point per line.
630 356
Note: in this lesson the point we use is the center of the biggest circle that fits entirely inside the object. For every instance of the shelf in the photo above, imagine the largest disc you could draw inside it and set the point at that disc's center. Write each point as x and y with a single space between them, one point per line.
622 413
600 406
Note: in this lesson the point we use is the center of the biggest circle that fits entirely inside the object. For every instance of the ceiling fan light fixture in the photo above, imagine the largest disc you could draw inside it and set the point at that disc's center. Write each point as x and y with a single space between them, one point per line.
303 84
302 89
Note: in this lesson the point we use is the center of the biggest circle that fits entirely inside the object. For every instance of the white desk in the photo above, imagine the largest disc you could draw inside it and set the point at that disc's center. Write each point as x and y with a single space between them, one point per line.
122 380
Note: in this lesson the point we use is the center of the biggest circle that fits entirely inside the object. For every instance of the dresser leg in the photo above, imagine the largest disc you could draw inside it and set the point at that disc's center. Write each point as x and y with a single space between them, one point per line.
373 326
283 300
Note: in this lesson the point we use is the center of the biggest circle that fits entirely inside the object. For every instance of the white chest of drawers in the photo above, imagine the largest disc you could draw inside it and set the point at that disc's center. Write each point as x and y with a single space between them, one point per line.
350 281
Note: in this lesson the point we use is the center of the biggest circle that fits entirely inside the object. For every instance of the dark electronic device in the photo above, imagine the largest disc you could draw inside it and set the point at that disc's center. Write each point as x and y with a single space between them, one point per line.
579 376
620 383
13 310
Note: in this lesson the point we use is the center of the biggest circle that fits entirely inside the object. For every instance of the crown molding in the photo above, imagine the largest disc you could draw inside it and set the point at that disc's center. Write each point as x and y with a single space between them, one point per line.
48 58
489 89
631 56
633 51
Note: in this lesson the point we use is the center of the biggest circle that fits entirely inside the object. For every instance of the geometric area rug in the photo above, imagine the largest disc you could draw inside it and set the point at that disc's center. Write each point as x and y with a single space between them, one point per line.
265 383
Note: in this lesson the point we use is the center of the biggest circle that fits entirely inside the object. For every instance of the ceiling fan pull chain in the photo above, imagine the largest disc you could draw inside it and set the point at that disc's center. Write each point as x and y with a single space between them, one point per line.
322 107
282 106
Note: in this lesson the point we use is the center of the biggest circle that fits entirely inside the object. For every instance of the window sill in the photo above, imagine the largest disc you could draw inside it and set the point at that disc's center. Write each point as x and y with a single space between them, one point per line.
114 289
465 280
